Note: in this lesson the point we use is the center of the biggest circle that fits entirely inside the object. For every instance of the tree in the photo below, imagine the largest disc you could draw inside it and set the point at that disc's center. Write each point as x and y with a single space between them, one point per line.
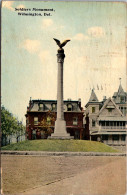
19 131
9 124
47 123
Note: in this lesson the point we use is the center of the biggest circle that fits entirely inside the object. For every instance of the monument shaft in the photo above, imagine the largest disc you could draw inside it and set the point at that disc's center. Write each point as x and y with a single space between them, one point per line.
60 60
60 124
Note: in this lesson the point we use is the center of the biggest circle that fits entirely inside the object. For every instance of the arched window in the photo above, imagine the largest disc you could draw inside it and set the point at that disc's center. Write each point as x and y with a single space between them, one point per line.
69 107
41 106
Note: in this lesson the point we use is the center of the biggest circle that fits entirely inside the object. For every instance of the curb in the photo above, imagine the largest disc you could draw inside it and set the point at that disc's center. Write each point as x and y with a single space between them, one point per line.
45 153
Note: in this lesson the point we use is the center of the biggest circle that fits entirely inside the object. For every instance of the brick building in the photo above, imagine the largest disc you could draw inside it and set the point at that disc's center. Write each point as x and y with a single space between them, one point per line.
38 109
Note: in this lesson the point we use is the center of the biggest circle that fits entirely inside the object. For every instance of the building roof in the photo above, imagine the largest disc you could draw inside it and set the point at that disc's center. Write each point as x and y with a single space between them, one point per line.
120 90
106 104
45 105
93 97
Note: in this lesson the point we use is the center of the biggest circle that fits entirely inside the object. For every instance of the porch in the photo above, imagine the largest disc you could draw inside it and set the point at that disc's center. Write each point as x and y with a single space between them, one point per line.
110 137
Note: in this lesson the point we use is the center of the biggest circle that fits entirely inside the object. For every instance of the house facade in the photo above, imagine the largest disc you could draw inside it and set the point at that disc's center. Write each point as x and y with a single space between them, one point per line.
38 110
107 119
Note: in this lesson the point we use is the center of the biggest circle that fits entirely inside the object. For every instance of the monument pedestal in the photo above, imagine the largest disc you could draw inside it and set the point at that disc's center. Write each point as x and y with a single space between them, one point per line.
60 130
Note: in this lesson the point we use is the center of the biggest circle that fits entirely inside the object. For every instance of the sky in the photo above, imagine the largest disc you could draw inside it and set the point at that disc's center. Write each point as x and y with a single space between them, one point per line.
95 56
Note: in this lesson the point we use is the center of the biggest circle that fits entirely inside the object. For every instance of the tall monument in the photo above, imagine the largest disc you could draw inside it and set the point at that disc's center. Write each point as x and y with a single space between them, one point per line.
60 131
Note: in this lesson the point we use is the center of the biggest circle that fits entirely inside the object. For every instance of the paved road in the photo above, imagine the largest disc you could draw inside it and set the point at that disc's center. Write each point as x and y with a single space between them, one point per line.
105 180
60 175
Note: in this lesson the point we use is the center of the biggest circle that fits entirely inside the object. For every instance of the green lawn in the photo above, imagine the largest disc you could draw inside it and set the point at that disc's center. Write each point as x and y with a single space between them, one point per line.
60 146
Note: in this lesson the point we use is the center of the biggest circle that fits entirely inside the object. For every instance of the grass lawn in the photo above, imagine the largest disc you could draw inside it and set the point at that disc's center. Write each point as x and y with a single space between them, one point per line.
60 146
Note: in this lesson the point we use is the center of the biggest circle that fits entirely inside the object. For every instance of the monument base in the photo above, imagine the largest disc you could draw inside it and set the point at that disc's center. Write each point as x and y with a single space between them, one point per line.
60 131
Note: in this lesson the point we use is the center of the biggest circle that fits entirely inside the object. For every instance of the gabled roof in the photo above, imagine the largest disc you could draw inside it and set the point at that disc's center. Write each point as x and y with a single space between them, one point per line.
105 105
93 97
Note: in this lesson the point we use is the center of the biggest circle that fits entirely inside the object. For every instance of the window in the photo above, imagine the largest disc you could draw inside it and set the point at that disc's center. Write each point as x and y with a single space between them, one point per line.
105 137
123 137
117 123
49 120
102 123
34 134
93 109
75 121
115 137
107 123
53 106
109 109
41 106
121 123
69 107
121 99
93 123
35 120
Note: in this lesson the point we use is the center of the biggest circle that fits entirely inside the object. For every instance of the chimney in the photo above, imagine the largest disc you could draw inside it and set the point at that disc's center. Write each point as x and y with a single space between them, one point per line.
30 102
79 102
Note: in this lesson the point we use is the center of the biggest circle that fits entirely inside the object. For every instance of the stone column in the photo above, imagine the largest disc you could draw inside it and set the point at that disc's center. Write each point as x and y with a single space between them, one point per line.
60 124
60 61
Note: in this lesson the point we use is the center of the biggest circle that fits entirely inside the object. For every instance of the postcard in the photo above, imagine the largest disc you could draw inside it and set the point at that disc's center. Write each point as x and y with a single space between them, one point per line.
64 98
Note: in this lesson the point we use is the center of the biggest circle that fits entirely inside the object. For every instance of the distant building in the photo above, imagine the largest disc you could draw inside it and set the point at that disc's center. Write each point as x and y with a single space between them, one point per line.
106 121
38 109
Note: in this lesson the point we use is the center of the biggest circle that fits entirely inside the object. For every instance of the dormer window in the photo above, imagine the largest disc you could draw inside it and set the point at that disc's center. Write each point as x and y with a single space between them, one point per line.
53 106
121 99
69 107
41 106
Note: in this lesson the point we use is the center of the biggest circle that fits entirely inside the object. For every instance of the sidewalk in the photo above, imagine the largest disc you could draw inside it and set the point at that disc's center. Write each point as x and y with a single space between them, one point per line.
46 153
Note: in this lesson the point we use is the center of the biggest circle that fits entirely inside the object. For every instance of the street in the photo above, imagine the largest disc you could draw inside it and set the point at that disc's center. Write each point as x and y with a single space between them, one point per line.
86 175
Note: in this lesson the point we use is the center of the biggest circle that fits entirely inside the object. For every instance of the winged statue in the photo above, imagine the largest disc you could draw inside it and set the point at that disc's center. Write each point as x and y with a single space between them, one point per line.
61 44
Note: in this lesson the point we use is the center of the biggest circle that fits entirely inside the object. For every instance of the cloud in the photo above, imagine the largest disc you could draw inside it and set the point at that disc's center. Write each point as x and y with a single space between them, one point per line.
91 32
83 59
96 32
47 23
32 46
8 5
20 6
118 63
80 37
44 55
62 26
